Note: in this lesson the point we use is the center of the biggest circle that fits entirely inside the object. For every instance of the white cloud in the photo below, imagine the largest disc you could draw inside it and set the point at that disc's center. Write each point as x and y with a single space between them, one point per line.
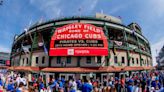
156 48
157 7
4 49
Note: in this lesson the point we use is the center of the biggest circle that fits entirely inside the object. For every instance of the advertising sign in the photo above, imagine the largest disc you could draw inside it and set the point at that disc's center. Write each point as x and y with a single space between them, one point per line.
78 39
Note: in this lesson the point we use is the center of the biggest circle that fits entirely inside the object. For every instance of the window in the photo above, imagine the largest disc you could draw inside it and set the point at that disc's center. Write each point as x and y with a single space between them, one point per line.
133 60
88 60
27 60
43 59
137 60
68 60
115 59
37 60
145 62
148 62
99 59
23 61
58 60
123 60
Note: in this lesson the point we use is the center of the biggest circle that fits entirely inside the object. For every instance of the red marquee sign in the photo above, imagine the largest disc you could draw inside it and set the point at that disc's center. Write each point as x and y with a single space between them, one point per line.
78 39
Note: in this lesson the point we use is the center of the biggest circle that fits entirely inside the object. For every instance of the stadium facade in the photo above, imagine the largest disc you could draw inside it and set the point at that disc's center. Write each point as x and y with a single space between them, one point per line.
81 47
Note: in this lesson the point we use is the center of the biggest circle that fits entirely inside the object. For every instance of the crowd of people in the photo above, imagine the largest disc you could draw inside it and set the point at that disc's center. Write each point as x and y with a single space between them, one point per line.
141 82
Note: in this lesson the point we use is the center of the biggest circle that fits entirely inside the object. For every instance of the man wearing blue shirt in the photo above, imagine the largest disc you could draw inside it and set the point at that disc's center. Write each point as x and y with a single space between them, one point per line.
1 83
10 86
130 86
87 87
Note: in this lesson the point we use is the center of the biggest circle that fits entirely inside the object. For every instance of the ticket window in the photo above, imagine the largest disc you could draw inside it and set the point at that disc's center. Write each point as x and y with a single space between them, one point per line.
104 76
70 76
83 76
93 76
111 75
63 76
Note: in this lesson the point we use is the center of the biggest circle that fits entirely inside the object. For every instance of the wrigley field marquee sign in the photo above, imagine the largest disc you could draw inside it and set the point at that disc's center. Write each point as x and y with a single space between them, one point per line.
78 39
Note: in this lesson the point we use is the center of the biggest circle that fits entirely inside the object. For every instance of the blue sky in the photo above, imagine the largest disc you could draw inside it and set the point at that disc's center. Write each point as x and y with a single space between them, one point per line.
15 15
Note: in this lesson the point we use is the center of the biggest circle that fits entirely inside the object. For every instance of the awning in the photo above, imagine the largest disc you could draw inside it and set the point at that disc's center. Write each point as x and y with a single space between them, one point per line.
132 68
24 68
11 68
148 67
82 69
3 67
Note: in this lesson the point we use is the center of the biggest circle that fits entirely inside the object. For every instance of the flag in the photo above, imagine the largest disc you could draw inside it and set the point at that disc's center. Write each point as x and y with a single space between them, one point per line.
40 40
44 45
26 48
133 32
45 49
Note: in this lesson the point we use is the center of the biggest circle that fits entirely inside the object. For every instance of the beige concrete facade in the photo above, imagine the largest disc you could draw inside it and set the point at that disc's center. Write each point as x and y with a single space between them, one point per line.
15 60
134 56
40 56
25 60
119 55
64 60
82 62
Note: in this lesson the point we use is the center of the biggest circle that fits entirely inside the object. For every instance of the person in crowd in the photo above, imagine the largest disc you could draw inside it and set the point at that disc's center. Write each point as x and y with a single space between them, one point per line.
10 86
118 84
79 84
1 89
87 87
61 85
130 86
74 84
158 85
136 86
143 84
41 86
122 83
20 88
1 82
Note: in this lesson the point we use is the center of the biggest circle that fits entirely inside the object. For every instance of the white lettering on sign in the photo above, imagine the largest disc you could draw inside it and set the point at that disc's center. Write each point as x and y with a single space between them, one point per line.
82 51
78 26
69 27
69 36
92 36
